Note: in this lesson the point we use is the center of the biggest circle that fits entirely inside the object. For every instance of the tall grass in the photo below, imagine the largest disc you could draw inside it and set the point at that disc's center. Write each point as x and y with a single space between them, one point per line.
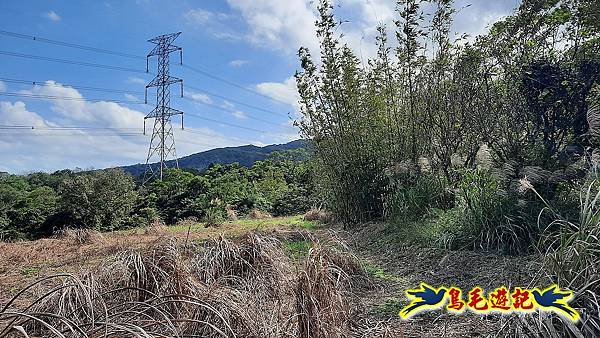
571 252
222 288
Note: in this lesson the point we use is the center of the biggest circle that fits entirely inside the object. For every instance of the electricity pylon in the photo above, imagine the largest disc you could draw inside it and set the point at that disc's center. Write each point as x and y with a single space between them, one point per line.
162 143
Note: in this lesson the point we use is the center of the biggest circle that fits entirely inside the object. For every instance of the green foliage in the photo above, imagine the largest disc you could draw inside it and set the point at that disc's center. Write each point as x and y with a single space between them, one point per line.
485 214
215 213
398 137
101 200
38 204
412 197
571 253
297 249
280 187
32 211
391 307
489 212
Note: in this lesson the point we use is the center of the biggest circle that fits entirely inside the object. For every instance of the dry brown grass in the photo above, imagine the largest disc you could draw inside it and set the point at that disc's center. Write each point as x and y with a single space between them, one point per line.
222 288
318 215
231 213
325 300
156 228
80 236
257 214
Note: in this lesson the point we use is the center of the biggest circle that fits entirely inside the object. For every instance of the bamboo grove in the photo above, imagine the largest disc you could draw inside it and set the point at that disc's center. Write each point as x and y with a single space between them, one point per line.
520 101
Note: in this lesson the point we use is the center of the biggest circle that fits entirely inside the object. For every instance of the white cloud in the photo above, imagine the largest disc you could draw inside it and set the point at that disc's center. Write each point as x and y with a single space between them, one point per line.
216 24
278 25
136 80
238 63
107 113
285 91
228 105
43 149
2 86
24 150
199 16
17 114
199 97
52 15
286 25
238 114
132 97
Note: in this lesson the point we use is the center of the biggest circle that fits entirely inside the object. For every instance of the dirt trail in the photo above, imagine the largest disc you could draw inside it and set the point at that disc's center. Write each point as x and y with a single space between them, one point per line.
399 267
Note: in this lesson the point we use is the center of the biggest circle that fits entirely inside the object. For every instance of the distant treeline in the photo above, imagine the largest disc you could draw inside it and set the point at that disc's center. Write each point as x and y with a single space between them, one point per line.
40 204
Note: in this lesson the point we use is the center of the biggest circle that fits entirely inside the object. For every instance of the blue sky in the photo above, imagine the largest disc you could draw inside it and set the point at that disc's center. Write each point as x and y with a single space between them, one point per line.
248 42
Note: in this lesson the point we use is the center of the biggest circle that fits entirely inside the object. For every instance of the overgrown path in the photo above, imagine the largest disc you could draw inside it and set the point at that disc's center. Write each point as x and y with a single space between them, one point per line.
398 266
391 266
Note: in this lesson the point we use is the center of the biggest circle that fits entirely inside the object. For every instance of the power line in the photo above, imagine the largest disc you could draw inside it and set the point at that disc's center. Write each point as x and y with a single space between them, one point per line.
106 51
231 83
87 128
233 125
227 123
108 90
63 85
68 44
20 128
231 111
71 134
66 98
122 91
236 101
71 62
200 132
52 97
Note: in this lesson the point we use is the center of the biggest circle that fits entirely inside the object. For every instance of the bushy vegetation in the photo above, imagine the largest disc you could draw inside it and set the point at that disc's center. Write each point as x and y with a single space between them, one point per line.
477 143
439 134
42 204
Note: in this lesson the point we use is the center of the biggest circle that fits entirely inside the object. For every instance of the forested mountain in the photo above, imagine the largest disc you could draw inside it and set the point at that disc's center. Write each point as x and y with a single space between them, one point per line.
244 155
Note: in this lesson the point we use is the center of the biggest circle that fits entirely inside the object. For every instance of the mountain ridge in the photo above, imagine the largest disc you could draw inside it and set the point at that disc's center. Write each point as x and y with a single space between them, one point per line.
245 155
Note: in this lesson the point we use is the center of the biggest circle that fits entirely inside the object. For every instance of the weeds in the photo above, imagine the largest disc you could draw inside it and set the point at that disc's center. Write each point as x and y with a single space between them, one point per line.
319 215
30 270
258 214
80 236
222 288
297 249
156 228
322 299
572 260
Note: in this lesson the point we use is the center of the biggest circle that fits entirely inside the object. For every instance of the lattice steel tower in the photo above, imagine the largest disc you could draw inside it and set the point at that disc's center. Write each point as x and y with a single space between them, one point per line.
162 143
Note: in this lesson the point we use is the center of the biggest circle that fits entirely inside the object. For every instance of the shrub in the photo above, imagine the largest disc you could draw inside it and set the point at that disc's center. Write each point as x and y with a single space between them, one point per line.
156 228
80 236
412 196
102 200
215 214
494 217
258 214
231 213
571 253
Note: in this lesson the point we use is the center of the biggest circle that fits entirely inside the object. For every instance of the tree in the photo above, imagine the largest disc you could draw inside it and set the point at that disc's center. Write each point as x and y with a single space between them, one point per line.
100 199
31 213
